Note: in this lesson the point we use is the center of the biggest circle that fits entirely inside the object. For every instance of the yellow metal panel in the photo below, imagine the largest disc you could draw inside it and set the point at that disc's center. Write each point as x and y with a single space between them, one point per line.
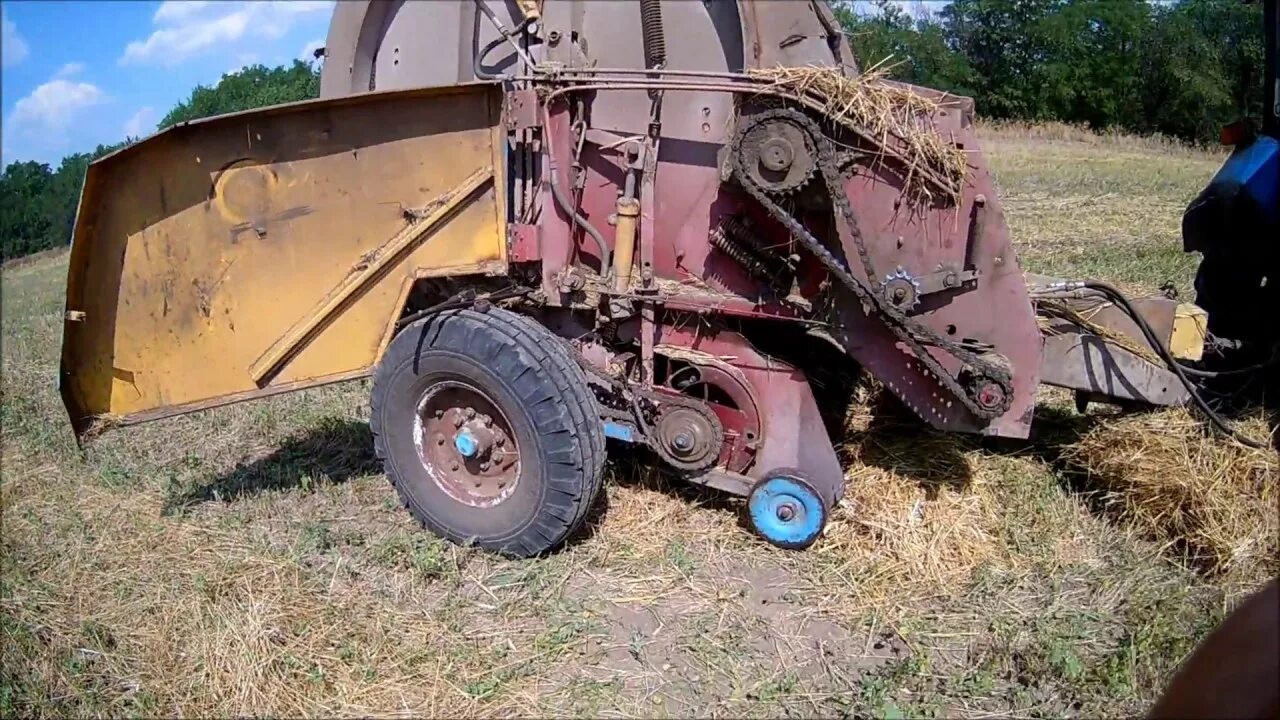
198 250
1190 326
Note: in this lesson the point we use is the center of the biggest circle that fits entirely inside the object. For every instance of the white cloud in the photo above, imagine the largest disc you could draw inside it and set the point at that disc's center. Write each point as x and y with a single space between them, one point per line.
186 29
178 12
13 49
71 68
142 123
308 52
53 106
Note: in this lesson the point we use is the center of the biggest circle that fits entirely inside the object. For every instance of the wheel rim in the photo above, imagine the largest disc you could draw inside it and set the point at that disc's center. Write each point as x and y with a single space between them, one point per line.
786 512
466 444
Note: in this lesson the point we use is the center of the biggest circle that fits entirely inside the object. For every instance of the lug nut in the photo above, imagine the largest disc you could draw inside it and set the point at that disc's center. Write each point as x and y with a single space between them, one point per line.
786 513
470 413
439 414
502 440
484 466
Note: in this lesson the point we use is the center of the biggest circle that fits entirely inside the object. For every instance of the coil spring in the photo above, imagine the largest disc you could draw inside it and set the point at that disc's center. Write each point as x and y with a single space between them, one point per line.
655 42
733 238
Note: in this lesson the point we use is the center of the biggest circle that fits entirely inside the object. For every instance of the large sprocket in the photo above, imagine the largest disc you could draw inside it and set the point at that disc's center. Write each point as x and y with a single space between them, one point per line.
778 153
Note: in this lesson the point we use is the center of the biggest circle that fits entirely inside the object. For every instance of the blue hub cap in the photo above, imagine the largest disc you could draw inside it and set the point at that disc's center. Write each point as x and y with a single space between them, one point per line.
465 443
786 511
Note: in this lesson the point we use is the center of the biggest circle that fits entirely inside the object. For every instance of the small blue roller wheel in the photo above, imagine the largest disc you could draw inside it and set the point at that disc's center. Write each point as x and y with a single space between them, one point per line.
786 510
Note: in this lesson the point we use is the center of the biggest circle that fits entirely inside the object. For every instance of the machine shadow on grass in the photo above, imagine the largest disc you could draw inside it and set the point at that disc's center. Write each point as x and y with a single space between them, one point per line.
335 451
896 441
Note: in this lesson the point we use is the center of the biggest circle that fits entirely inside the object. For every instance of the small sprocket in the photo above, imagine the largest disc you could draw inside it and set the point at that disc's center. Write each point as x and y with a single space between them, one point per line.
687 435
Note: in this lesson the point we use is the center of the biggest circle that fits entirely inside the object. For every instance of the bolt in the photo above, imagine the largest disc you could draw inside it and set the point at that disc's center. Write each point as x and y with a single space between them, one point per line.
488 421
484 466
457 421
553 38
949 280
899 294
439 414
502 440
470 413
786 512
682 442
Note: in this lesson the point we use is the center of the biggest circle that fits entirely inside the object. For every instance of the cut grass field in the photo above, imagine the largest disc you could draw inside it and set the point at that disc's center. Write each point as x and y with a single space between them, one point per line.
253 560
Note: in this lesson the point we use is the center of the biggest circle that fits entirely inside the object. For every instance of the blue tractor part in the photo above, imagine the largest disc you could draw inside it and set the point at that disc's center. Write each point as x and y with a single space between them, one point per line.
1234 223
786 510
466 444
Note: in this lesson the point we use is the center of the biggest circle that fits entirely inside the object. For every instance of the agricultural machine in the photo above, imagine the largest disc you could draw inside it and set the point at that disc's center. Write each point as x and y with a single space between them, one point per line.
546 227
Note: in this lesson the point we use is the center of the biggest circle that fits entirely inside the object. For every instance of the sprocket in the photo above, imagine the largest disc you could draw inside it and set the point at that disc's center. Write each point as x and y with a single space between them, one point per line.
687 435
778 153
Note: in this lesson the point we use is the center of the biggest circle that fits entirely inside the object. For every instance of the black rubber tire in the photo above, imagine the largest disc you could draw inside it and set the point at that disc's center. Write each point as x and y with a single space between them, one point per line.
530 375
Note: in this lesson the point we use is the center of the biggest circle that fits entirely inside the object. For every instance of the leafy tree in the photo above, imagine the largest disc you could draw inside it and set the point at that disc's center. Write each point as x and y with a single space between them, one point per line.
24 221
1182 69
1006 43
1092 56
911 51
251 87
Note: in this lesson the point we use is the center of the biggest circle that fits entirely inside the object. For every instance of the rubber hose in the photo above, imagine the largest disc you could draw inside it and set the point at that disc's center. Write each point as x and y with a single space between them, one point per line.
477 60
1246 370
1154 341
606 258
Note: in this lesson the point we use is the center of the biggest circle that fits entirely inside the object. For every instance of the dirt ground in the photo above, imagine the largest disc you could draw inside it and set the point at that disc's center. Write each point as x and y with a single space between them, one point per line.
253 560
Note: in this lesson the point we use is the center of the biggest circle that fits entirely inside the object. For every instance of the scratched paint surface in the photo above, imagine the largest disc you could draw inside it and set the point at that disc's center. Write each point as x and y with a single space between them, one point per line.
196 250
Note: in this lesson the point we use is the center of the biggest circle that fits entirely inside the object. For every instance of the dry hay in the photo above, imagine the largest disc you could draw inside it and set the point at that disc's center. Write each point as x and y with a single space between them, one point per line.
1213 498
1049 310
918 513
892 116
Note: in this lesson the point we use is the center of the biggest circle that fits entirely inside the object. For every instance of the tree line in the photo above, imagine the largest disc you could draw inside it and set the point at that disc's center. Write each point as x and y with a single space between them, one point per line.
38 203
1182 69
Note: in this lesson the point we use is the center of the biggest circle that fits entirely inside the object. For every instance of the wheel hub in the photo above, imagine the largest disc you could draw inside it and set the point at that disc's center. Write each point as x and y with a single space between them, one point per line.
785 509
466 444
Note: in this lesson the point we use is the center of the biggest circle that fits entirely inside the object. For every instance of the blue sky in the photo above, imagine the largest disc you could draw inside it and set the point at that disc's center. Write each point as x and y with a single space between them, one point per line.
76 74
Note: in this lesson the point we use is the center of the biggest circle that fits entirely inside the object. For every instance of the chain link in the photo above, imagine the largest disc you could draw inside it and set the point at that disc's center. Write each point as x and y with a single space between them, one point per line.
912 334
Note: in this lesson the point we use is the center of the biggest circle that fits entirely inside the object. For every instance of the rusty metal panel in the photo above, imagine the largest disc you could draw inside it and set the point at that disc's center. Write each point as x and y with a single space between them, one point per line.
290 234
1080 361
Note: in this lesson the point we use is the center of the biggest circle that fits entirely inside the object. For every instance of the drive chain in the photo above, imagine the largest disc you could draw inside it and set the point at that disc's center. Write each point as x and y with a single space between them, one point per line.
631 395
912 334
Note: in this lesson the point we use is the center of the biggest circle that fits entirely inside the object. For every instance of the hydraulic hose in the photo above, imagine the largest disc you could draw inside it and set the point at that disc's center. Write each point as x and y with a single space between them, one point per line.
1246 370
477 60
553 174
1174 366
